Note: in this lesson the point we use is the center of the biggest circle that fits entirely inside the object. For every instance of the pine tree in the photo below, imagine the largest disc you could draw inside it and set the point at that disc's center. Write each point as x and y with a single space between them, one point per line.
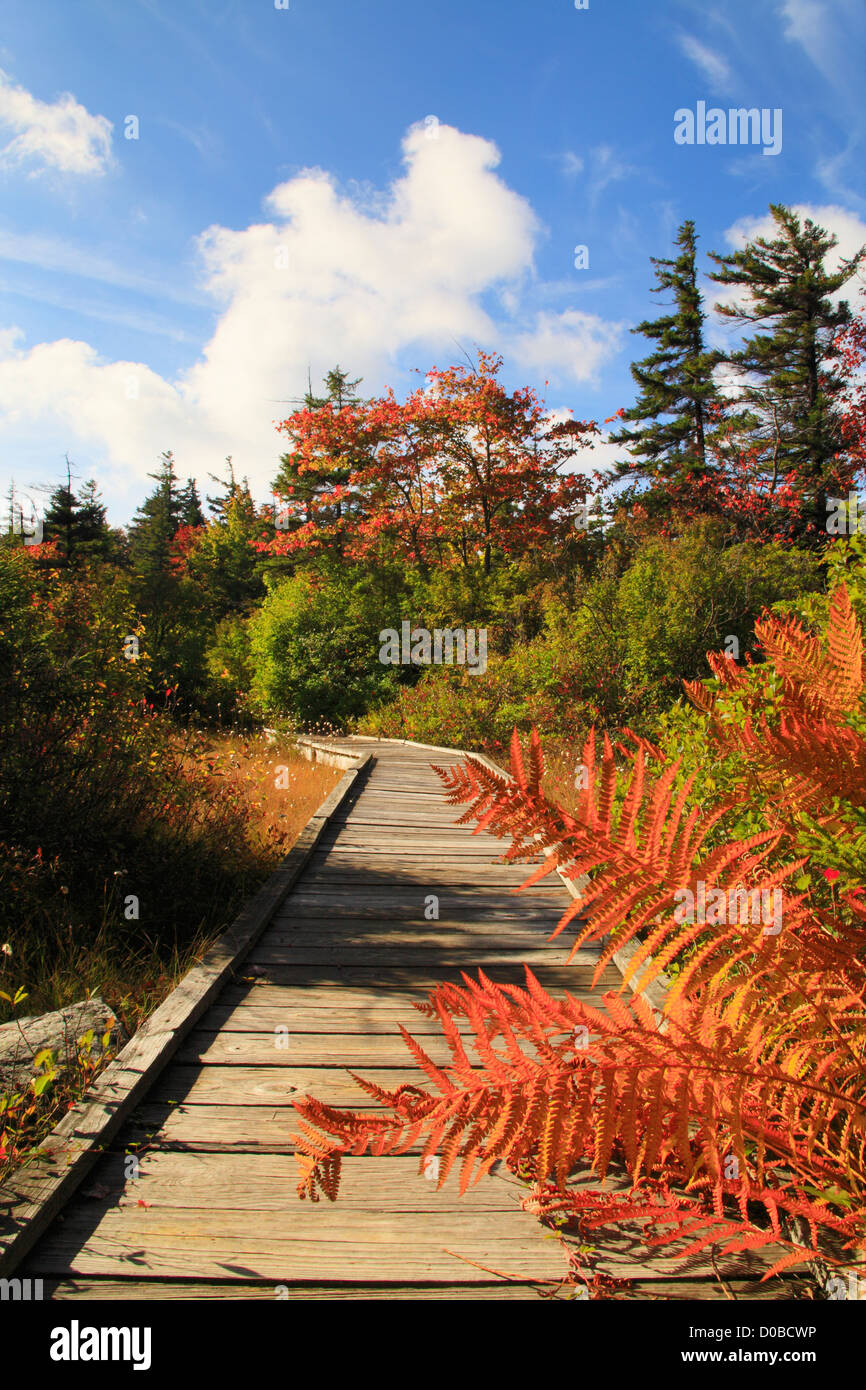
189 504
790 391
61 518
153 529
94 536
77 522
676 380
218 506
304 487
224 562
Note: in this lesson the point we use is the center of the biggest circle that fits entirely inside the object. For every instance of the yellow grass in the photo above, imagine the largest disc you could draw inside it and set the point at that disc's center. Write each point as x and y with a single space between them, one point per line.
280 789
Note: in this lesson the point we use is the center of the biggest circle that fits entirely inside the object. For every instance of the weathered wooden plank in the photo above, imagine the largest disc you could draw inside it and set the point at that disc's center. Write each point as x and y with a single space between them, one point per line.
292 1049
257 1086
489 936
470 849
214 1128
461 875
372 1251
451 958
308 994
135 1289
247 1018
330 1242
487 932
387 893
319 917
317 1016
461 912
227 1182
402 979
464 884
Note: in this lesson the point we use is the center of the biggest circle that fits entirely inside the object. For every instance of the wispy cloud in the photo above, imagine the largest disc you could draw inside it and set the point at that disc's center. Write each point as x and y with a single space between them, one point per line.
831 37
50 253
606 168
714 67
570 164
134 319
200 137
60 135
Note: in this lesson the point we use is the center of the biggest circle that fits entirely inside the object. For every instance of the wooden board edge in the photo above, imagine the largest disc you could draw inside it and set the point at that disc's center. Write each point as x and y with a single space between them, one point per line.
30 1200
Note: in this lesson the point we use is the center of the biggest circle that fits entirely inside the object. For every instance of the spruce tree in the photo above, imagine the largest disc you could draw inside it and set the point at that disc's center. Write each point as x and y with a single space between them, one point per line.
789 389
61 517
153 529
218 506
676 380
305 487
189 505
94 537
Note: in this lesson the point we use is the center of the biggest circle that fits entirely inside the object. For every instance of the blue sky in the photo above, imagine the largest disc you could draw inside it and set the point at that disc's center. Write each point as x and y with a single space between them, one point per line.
382 185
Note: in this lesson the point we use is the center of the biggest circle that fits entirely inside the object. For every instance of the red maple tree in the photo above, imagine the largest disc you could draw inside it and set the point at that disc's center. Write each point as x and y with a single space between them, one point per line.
461 471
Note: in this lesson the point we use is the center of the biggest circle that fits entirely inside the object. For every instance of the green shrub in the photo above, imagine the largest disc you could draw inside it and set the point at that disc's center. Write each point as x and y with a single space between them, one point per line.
314 649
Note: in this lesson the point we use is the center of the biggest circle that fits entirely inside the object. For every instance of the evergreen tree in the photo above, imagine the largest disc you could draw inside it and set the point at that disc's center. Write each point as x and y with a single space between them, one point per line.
174 606
789 388
94 536
78 523
153 529
189 505
218 506
61 518
303 487
224 562
676 380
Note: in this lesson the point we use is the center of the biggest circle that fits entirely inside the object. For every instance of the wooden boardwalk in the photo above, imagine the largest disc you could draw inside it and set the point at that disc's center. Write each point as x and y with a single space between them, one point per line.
196 1196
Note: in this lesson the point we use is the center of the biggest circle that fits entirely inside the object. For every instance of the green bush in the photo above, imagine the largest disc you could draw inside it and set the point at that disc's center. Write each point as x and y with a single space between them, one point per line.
314 649
614 652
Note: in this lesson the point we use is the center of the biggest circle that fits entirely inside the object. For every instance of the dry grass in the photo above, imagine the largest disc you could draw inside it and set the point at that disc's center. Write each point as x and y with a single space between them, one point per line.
277 791
279 788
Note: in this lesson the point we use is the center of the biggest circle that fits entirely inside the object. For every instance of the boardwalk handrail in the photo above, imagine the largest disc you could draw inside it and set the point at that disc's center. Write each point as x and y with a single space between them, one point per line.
30 1200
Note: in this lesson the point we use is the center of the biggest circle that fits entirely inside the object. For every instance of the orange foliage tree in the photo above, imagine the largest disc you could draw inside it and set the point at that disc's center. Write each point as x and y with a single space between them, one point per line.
461 469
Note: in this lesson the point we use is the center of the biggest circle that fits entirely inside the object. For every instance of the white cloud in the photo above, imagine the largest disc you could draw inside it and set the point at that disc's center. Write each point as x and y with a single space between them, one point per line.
570 346
714 67
371 282
61 134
